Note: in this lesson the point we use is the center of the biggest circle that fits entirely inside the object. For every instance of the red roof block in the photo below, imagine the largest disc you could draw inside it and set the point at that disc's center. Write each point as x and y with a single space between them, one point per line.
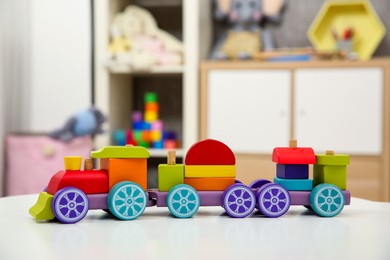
299 155
210 152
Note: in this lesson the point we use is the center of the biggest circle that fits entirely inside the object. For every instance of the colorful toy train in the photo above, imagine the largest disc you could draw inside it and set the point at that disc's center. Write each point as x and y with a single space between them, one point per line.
207 178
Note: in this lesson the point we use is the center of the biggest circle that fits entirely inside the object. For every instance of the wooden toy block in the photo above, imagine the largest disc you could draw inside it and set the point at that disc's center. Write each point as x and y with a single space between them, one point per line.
171 157
150 97
292 171
145 144
210 152
170 176
146 136
293 154
170 144
72 163
151 116
134 170
286 155
336 175
88 164
297 184
209 184
329 158
121 152
155 135
157 125
293 143
137 135
90 182
152 106
210 171
42 208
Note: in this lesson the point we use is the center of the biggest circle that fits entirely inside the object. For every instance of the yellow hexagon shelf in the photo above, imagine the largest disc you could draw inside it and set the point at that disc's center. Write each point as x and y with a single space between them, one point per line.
337 16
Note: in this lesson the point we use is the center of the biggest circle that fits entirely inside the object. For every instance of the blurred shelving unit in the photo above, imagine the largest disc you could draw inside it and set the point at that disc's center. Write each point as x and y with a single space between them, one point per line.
119 90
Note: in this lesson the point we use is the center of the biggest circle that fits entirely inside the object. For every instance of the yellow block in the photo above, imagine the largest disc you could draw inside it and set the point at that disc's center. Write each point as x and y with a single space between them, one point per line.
72 163
151 116
209 171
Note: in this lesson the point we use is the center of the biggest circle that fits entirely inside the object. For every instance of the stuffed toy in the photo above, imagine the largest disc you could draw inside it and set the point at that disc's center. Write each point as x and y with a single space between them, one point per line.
248 33
137 41
88 122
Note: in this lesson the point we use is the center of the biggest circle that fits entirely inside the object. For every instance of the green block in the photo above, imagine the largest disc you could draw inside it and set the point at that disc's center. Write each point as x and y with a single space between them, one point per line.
337 159
137 135
42 209
336 175
169 176
150 97
121 152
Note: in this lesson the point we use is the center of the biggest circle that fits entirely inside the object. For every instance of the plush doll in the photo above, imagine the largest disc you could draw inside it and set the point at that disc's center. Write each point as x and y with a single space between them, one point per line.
88 122
149 45
248 33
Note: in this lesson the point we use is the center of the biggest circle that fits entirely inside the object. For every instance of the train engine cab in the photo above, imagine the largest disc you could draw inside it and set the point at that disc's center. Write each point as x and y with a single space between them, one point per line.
72 192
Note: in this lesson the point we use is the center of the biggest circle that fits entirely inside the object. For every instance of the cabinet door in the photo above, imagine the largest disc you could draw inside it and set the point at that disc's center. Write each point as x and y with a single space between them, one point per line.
248 109
340 109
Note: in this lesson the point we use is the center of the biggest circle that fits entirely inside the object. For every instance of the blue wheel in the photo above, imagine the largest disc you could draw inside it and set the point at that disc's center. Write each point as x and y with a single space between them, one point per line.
238 200
127 200
70 205
183 201
327 200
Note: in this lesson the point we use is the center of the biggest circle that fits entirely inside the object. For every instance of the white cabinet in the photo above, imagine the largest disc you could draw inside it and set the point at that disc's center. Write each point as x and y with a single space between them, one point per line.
339 109
328 105
249 110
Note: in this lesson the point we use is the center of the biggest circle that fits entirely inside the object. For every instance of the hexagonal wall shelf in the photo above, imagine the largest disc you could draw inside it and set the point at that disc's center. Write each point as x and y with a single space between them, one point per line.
337 16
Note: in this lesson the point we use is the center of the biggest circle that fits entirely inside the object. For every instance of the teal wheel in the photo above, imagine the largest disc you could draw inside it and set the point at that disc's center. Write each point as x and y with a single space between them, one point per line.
126 200
183 201
327 200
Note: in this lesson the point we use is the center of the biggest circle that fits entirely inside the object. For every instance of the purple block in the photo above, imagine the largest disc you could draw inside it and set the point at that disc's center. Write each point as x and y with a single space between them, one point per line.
300 197
292 171
98 201
347 195
303 197
210 198
159 197
207 198
137 116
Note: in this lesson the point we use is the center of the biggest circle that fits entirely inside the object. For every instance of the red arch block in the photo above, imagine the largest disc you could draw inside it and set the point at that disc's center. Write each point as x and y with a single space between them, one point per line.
210 152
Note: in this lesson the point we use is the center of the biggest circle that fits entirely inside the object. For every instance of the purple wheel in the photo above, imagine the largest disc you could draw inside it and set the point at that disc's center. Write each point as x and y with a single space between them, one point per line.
238 201
273 200
70 205
257 184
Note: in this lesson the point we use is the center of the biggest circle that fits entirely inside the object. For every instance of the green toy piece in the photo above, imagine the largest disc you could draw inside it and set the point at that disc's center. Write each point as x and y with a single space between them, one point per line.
130 152
332 169
42 209
336 159
150 97
170 176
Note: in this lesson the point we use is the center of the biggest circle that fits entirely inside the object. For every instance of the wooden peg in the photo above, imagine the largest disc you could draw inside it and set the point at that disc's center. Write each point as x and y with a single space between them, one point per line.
88 164
293 143
171 157
329 152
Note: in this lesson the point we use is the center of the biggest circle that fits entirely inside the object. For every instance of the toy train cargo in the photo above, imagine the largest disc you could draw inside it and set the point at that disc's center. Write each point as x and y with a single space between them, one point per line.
207 178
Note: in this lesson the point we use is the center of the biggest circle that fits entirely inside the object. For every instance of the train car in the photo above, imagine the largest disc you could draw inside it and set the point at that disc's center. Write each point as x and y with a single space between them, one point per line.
207 178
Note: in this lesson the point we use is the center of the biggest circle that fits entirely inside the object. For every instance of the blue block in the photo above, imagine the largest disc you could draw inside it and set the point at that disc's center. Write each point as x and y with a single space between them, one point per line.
292 171
297 184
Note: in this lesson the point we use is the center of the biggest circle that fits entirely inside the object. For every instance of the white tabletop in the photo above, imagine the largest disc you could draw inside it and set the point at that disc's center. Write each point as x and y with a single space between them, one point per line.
361 231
